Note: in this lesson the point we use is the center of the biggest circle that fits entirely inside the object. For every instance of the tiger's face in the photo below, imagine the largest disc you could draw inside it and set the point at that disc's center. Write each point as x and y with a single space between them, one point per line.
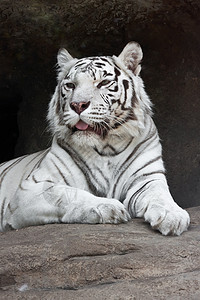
97 98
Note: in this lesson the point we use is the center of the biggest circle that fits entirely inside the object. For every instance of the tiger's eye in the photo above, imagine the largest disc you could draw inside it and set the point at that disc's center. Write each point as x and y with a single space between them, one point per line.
70 85
103 83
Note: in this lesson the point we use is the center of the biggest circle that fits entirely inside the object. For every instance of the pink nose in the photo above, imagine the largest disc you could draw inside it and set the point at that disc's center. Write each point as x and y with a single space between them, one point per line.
79 107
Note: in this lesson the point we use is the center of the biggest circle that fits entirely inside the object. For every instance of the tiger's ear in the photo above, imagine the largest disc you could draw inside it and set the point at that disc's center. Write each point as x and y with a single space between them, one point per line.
131 57
63 57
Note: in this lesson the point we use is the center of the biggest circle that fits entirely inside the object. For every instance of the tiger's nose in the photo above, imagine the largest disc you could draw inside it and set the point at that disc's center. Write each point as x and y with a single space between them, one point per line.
79 107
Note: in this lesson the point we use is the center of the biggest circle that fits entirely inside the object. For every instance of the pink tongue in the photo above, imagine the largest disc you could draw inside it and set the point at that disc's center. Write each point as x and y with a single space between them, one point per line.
81 125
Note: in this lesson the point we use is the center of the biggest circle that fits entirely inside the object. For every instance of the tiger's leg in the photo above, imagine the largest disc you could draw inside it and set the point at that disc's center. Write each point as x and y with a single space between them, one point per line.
43 202
154 202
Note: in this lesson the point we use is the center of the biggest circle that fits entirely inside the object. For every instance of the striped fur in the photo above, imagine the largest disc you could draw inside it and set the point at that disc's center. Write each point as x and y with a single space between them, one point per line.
105 163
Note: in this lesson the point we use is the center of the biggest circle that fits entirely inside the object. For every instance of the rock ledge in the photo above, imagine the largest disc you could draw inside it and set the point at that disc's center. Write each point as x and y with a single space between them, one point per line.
127 261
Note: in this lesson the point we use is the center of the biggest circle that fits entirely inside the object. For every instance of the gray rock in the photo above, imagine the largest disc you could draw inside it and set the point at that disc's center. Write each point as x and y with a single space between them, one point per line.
115 262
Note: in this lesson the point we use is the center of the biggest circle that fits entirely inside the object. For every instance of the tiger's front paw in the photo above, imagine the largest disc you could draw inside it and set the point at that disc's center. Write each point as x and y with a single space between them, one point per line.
112 212
169 221
93 212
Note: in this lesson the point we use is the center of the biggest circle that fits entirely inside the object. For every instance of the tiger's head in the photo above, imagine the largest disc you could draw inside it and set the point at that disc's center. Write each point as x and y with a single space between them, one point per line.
99 99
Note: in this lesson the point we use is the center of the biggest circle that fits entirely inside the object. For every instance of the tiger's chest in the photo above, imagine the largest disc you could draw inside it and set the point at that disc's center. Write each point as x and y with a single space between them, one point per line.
103 176
100 174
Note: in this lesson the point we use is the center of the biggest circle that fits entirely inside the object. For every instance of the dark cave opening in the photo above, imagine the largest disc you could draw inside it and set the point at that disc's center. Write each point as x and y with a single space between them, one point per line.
10 99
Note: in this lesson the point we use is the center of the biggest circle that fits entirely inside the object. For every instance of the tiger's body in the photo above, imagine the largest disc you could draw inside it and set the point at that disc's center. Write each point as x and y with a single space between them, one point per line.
105 163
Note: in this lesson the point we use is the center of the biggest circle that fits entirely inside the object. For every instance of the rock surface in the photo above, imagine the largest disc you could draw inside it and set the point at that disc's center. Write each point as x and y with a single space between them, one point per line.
114 262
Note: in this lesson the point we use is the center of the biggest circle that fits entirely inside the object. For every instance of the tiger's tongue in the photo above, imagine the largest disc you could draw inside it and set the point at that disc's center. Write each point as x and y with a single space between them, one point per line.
81 125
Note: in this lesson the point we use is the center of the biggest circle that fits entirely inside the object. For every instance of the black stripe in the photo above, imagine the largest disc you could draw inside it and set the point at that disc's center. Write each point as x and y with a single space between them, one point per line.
80 64
148 163
117 70
110 95
34 167
11 210
45 154
124 188
37 163
99 64
34 179
146 139
127 163
104 154
146 175
154 172
106 74
126 87
113 90
58 202
61 174
98 189
6 170
46 180
21 187
134 99
142 177
110 147
107 60
120 122
2 211
62 162
117 73
106 179
90 68
58 106
132 211
1 165
58 101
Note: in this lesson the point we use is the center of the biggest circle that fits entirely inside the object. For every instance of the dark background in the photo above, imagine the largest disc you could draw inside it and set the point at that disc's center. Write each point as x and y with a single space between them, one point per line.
31 32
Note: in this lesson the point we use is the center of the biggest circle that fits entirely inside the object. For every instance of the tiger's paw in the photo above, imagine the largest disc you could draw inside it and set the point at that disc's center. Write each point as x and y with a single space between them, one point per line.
112 213
109 211
169 221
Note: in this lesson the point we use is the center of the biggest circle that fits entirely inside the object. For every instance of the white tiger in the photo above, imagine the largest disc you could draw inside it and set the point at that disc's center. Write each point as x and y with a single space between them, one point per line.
105 163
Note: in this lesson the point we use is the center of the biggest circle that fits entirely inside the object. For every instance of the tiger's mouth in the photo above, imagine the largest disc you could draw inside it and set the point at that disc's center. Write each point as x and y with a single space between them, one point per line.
86 128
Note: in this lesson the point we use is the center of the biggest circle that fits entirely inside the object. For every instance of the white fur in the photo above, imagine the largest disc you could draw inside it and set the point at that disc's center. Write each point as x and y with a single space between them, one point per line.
88 178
